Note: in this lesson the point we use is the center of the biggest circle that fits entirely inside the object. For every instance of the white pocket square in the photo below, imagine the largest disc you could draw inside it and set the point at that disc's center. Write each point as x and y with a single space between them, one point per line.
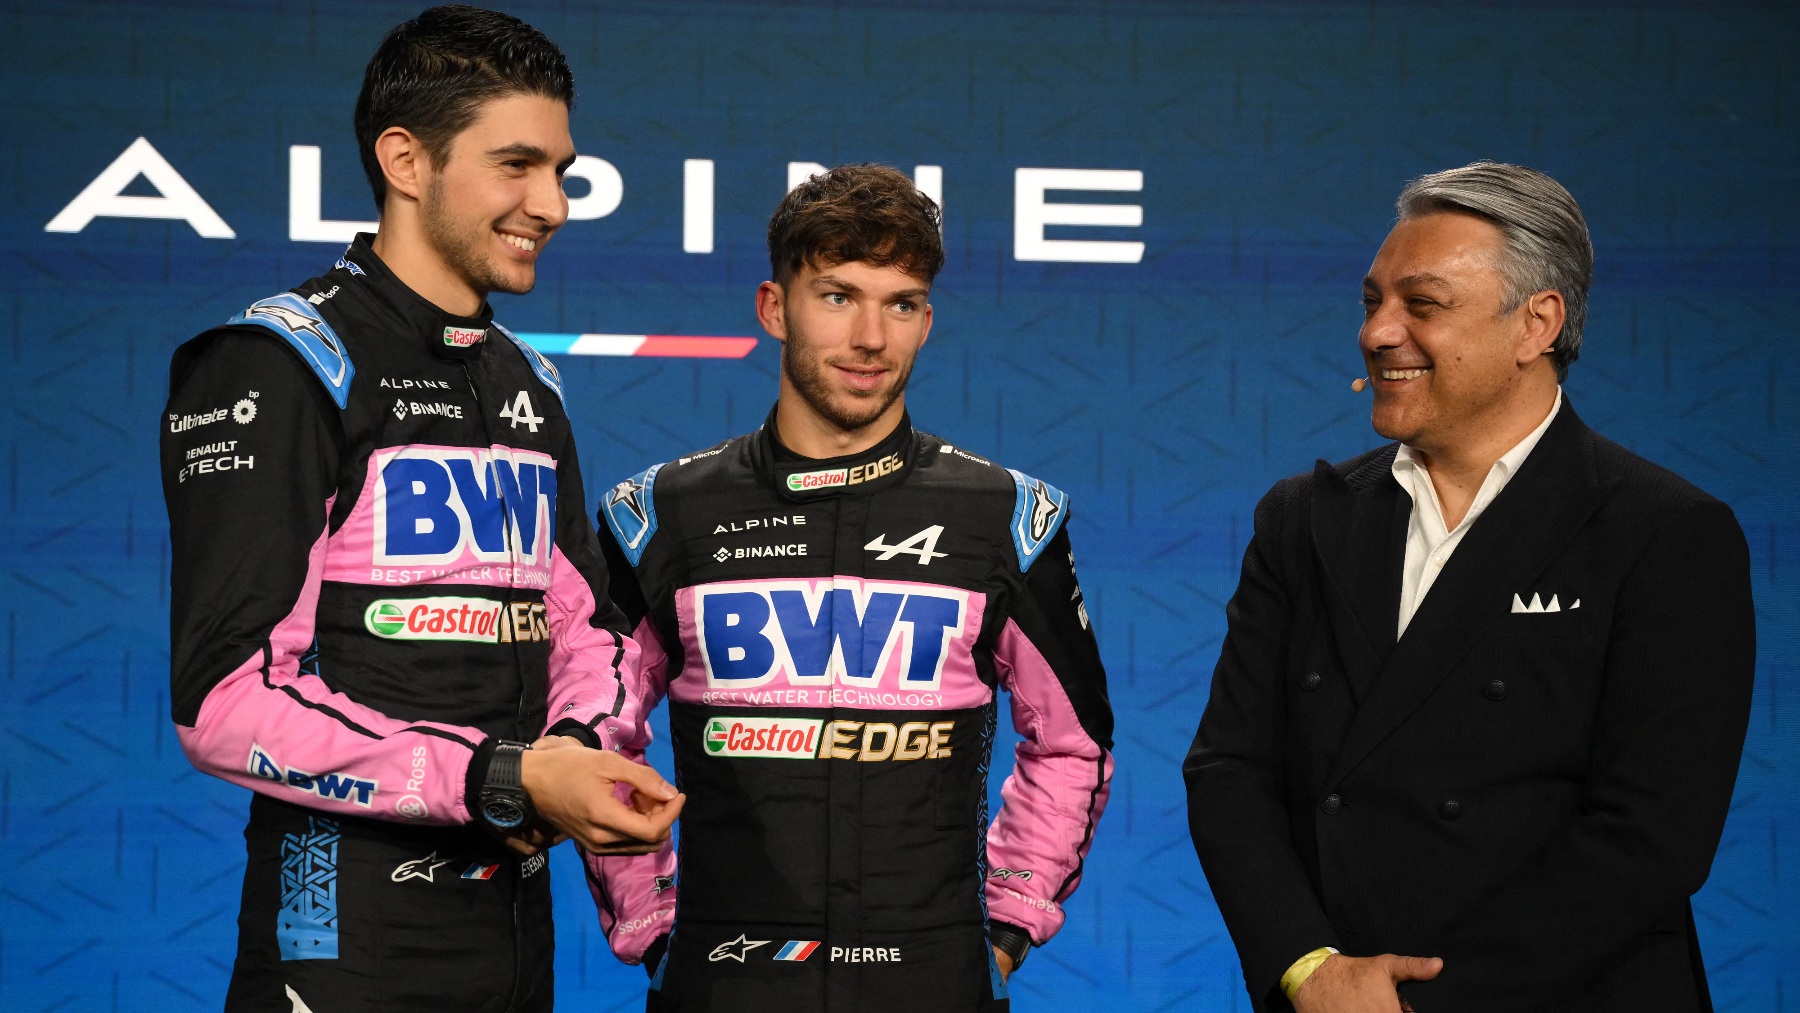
1537 605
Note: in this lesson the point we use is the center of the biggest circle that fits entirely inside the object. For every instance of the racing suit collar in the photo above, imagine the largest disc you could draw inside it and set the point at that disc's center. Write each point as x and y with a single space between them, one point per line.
805 478
446 334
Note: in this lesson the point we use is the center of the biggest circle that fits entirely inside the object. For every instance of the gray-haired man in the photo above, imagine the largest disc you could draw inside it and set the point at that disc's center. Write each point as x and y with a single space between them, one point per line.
1484 689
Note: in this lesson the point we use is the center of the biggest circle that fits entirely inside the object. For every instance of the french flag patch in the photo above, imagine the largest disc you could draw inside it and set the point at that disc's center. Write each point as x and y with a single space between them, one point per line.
480 871
797 949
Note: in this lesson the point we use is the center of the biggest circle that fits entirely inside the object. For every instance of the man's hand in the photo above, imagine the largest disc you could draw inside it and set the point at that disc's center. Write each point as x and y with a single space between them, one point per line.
1005 962
1362 984
571 787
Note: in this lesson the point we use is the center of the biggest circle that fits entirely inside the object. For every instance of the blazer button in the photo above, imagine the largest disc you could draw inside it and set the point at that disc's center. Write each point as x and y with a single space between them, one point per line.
1332 805
1311 681
1495 690
1450 810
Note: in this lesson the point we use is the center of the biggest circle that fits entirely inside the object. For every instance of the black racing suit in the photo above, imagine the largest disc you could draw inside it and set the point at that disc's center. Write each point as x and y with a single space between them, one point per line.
831 636
381 566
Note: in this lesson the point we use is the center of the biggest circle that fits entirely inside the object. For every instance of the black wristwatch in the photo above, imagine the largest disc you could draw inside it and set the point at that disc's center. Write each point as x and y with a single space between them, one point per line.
504 804
1011 940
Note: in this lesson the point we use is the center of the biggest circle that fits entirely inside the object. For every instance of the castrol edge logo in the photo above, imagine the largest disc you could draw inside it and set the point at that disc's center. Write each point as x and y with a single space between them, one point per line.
472 620
810 738
831 478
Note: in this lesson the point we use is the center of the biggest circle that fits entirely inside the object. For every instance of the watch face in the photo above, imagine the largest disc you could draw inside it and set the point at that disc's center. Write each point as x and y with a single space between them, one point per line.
503 812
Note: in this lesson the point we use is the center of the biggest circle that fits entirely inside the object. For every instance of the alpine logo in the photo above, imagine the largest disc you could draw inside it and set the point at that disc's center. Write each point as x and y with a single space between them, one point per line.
331 787
844 630
922 545
519 412
443 505
472 620
770 738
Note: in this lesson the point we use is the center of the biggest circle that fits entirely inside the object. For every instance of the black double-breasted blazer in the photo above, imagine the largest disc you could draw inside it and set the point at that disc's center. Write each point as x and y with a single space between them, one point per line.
1531 795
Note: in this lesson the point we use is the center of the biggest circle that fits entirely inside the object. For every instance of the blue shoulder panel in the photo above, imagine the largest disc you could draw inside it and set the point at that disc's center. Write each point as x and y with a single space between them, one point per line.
1037 514
539 364
299 322
630 511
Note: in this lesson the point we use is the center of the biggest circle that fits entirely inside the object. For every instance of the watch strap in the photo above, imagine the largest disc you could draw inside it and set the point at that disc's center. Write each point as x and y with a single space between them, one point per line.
1011 940
506 768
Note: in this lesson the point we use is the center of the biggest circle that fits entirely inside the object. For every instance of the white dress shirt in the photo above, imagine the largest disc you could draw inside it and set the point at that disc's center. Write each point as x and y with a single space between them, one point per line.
1428 544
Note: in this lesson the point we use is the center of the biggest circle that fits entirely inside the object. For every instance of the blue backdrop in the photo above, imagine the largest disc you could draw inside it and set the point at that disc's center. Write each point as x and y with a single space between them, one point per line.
1165 392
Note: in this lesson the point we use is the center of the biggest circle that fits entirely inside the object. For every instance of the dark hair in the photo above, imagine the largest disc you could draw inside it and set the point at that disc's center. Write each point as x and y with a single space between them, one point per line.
865 213
432 74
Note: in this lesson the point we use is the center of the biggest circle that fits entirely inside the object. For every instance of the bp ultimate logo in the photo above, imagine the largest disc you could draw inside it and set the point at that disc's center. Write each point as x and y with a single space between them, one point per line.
838 630
445 506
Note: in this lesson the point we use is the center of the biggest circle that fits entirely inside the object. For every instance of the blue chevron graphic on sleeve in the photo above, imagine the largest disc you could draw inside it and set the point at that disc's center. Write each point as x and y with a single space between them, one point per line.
630 511
299 322
1038 512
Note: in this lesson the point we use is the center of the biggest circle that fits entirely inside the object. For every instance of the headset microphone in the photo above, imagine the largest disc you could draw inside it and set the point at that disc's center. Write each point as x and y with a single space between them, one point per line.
1359 384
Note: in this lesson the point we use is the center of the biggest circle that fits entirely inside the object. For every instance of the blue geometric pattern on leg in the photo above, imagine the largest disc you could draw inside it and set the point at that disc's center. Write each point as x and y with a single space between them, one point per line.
307 926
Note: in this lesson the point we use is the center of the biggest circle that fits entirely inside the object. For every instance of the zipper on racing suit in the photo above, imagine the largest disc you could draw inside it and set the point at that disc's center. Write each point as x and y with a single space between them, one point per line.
518 666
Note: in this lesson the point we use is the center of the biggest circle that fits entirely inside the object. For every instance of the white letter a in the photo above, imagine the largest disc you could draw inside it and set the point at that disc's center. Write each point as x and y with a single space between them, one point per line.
105 197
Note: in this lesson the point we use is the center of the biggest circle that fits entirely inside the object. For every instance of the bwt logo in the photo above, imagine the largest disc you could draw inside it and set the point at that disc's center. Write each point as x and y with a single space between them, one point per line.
339 787
438 505
849 631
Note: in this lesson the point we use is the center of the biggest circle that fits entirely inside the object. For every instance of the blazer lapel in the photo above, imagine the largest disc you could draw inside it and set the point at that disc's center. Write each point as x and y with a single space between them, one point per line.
1515 539
1359 522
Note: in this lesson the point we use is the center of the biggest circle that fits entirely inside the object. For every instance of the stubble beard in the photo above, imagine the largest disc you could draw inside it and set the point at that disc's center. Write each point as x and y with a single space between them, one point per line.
461 250
808 374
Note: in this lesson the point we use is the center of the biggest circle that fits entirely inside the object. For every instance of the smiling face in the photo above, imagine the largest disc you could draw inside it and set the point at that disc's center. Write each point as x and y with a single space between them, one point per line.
1448 368
849 335
491 206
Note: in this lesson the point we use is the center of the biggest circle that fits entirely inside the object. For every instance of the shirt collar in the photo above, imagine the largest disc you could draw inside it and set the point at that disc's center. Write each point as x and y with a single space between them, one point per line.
447 334
1414 477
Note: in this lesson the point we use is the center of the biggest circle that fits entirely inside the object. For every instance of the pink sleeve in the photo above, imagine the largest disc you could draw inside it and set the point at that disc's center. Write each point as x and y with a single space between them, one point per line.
635 894
588 664
1052 800
273 728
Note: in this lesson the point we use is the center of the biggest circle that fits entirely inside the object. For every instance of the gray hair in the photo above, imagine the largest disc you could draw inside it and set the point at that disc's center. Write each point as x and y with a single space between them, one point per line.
1547 245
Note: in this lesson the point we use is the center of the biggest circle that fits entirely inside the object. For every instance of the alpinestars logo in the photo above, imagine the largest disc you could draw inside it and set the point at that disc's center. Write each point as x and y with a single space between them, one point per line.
630 495
1043 510
736 949
292 321
661 883
922 545
419 868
